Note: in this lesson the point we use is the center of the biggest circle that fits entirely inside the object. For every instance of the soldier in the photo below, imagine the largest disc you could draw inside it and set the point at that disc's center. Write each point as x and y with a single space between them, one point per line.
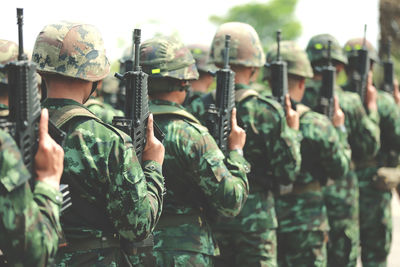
272 148
8 53
29 219
302 217
376 176
202 183
99 106
201 54
115 200
341 198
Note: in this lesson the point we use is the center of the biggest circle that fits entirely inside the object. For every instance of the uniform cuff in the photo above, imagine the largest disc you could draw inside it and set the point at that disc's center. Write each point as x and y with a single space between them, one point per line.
151 165
41 188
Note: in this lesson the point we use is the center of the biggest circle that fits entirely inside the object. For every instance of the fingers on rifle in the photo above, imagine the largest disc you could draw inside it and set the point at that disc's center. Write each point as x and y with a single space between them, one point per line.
43 125
233 119
336 103
288 105
150 127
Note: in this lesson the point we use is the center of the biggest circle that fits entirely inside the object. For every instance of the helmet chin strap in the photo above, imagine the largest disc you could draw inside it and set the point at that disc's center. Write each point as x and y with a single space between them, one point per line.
94 87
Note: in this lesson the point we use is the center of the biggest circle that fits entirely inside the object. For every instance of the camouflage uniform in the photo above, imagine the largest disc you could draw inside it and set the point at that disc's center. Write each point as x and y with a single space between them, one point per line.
114 199
102 110
29 224
302 216
272 148
341 198
375 204
202 183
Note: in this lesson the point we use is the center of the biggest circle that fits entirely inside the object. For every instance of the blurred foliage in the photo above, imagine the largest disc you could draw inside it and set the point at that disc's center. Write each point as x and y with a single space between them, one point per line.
266 18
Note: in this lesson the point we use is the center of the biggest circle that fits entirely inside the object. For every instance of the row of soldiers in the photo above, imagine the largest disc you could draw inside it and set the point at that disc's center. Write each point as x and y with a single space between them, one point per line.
295 188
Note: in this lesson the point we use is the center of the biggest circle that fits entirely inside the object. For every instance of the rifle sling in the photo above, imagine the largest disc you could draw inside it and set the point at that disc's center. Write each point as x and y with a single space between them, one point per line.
165 109
242 94
66 113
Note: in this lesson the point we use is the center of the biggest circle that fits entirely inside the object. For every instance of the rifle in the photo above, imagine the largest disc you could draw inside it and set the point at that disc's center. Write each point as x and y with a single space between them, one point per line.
136 103
360 66
219 115
279 76
388 71
326 102
22 123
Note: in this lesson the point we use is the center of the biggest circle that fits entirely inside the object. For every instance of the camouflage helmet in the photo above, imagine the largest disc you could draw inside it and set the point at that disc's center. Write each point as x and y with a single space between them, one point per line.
353 45
167 57
317 48
200 54
73 50
245 46
8 53
295 58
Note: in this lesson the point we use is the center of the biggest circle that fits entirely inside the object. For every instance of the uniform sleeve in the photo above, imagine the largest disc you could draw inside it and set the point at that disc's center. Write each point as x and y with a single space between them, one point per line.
324 141
364 133
222 181
282 143
389 121
29 226
135 195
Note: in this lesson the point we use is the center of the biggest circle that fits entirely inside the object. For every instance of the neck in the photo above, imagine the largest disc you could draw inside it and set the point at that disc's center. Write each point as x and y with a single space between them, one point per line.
4 100
175 96
74 89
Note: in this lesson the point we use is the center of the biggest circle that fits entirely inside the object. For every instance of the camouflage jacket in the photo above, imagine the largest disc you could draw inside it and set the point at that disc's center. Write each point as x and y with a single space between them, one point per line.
325 153
202 184
29 222
3 110
363 132
389 125
111 192
102 110
273 150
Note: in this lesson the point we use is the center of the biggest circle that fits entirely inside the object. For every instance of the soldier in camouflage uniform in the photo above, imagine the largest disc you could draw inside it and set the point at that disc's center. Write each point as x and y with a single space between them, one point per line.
272 148
374 175
202 182
116 201
202 85
97 104
341 198
8 53
29 219
302 216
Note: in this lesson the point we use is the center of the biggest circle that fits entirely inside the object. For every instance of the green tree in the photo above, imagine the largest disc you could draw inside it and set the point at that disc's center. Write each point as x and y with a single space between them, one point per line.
266 18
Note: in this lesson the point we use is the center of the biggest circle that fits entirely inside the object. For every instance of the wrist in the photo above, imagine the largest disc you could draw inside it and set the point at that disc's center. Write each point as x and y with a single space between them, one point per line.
238 150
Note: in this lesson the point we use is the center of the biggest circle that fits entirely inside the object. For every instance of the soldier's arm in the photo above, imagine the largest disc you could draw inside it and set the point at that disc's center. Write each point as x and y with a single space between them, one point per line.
282 143
390 120
223 181
333 152
29 226
364 132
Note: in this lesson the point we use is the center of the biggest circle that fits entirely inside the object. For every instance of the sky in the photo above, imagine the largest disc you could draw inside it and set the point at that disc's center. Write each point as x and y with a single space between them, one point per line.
344 19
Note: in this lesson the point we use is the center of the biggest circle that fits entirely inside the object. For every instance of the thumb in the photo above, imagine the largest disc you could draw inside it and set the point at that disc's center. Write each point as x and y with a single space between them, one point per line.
288 104
43 125
150 127
233 118
336 103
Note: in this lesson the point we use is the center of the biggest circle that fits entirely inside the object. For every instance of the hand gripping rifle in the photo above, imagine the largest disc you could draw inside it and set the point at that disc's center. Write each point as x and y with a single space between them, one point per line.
219 115
136 104
360 66
326 102
279 76
24 109
388 71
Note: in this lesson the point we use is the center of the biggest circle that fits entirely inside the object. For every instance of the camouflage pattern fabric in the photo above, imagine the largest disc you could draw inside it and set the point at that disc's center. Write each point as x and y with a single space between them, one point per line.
8 53
102 110
112 195
375 205
317 49
200 54
207 185
191 96
29 221
353 45
171 259
240 248
71 49
341 198
3 110
273 150
325 153
302 248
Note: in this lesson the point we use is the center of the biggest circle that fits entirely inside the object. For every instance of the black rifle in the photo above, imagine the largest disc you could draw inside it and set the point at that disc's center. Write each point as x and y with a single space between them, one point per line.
388 71
136 104
219 115
279 76
360 67
22 123
326 101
